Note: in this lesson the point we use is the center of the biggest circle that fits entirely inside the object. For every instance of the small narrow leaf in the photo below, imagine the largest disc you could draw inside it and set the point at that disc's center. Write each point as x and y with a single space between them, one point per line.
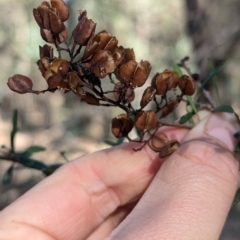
210 76
191 102
14 129
33 149
7 177
177 69
186 117
214 81
224 108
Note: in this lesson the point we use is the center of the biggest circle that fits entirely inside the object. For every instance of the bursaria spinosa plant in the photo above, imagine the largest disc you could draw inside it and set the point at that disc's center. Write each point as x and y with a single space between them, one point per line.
94 57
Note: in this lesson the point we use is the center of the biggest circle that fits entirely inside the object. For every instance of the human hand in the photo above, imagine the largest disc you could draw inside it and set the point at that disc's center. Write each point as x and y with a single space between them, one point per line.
185 196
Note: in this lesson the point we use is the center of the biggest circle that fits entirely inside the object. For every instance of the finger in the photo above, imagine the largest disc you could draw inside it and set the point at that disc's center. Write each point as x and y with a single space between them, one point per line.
192 193
75 200
111 222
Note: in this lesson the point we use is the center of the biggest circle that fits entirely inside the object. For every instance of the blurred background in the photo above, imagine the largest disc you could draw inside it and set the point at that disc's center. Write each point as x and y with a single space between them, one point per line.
162 32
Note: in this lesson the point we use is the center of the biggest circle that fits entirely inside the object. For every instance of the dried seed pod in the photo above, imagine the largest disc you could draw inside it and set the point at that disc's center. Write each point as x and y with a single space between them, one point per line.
129 55
169 148
52 21
101 41
43 65
186 84
38 18
160 84
62 9
90 99
46 35
54 81
118 56
147 96
74 81
124 93
134 73
121 126
126 71
38 13
171 77
62 36
158 141
171 105
102 63
20 84
84 29
146 120
60 66
141 74
46 51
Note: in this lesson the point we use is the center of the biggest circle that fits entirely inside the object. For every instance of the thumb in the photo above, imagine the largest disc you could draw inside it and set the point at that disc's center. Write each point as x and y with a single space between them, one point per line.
192 193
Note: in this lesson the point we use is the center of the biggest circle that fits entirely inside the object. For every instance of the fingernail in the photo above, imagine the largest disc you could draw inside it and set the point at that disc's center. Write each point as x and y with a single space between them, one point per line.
222 126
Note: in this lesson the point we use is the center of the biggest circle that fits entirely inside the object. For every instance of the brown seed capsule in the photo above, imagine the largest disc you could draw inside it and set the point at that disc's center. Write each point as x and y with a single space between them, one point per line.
46 35
146 120
141 74
129 55
169 148
84 29
102 63
74 81
62 9
160 84
169 107
126 71
60 66
171 77
121 126
46 51
158 141
52 21
118 56
20 84
101 41
62 36
54 81
124 93
186 84
147 96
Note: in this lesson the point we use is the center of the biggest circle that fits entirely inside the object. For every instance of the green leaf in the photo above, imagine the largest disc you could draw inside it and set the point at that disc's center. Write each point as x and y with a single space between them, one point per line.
177 69
186 117
210 76
191 102
215 81
7 177
224 108
237 148
14 129
33 149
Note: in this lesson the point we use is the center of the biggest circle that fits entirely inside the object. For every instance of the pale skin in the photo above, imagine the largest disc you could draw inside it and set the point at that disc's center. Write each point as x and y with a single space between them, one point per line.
121 194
